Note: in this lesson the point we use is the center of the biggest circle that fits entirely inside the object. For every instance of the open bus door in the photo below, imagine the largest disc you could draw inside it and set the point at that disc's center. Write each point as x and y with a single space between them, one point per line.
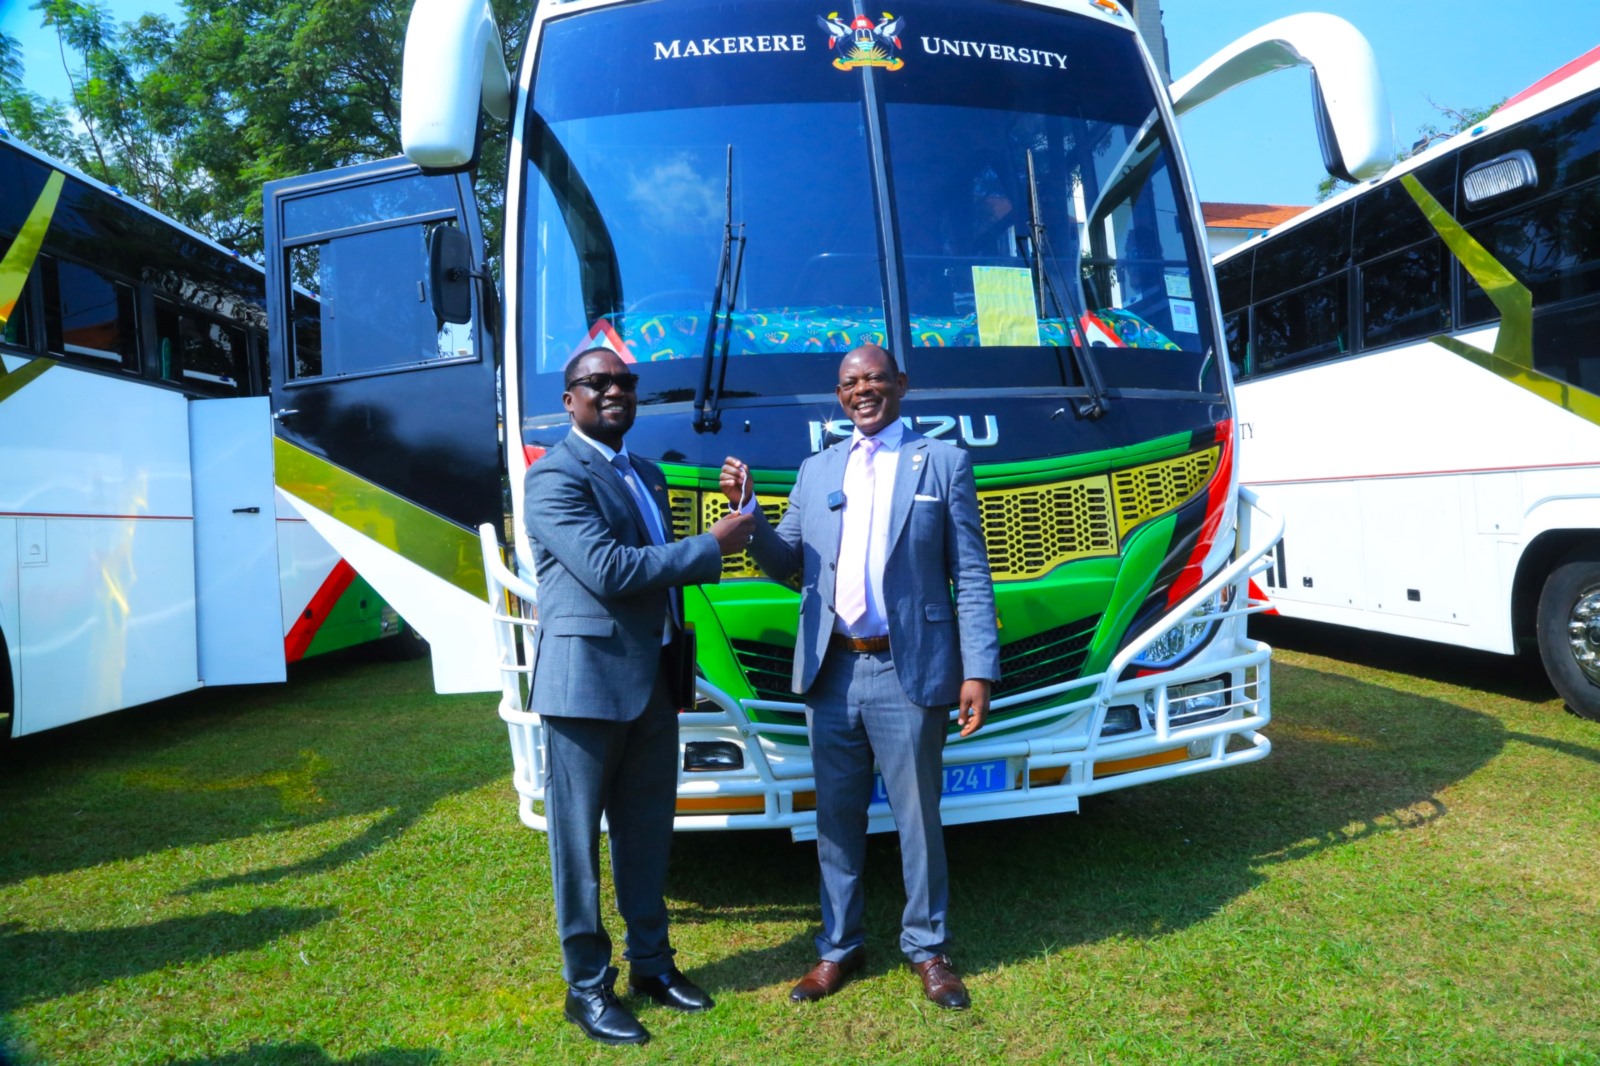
385 411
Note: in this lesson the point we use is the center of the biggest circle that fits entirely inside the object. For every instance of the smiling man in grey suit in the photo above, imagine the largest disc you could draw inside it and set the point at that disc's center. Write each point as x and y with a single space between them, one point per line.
882 527
610 616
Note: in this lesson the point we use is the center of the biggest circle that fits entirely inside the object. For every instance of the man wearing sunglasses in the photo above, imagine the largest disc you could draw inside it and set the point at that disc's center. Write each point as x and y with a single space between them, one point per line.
608 665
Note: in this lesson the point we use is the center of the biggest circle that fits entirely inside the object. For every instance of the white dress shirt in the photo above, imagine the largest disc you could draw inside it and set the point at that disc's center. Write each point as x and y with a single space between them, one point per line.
875 623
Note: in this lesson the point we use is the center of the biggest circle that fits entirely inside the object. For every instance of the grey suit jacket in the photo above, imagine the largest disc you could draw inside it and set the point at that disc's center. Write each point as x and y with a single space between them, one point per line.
602 584
935 546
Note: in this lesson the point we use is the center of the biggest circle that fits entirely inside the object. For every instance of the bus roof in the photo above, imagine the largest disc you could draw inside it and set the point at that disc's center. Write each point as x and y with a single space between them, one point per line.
10 139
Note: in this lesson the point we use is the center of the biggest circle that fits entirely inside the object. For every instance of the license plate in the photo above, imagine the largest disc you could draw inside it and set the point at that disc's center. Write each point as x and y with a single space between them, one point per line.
961 780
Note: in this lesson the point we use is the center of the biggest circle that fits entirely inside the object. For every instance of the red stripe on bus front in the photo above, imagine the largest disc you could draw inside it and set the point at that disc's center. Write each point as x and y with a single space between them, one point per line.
1261 597
305 627
1192 574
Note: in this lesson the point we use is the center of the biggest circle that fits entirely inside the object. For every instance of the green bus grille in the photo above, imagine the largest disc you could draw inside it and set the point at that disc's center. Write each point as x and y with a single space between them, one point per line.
1030 530
1048 658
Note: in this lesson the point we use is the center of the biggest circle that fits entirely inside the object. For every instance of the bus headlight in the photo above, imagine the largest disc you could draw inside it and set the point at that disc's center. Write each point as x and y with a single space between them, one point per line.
710 756
1120 721
1188 636
1198 701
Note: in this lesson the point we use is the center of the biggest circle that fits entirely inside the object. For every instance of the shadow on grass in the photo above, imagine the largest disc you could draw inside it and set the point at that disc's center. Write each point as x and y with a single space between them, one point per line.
1520 677
345 737
311 1055
1351 760
40 966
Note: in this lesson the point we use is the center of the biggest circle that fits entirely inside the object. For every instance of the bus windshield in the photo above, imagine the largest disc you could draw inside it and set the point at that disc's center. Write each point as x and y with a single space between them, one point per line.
971 176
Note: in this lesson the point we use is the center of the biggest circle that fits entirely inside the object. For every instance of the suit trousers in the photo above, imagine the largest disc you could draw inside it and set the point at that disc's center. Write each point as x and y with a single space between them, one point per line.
627 771
857 711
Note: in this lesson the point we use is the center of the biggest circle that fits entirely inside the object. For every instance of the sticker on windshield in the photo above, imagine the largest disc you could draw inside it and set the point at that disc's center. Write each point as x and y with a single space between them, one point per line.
604 335
1178 286
1183 317
1007 314
862 42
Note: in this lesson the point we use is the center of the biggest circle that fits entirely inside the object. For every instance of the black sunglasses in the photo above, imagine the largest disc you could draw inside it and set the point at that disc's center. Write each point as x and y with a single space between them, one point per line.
601 383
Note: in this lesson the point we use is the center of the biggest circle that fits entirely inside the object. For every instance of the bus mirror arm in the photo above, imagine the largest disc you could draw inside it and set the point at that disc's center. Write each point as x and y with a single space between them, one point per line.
1350 106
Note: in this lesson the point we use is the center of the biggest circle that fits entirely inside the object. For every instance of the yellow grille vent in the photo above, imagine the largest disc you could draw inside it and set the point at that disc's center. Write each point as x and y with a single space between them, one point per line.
1029 530
1143 492
688 519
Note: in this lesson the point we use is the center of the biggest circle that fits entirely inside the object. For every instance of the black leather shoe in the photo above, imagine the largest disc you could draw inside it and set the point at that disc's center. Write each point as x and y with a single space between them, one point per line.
672 989
602 1017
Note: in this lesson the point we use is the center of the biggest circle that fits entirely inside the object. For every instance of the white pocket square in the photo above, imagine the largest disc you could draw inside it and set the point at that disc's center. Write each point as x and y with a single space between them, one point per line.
926 499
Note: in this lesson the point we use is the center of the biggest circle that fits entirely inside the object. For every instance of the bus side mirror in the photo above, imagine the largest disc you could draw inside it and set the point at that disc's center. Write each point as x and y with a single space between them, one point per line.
450 274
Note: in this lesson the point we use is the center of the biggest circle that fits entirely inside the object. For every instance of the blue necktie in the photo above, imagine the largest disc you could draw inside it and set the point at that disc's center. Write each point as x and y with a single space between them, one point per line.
652 524
647 510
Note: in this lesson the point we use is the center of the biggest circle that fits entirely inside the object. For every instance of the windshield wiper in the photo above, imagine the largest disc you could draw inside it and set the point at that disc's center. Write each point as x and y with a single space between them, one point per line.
724 295
1044 284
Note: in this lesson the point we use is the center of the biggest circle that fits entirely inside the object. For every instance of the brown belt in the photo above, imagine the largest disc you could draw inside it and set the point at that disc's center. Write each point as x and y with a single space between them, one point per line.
866 645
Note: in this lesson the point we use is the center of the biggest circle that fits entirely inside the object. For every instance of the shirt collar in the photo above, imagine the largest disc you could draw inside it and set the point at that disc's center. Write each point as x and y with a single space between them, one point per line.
605 451
889 436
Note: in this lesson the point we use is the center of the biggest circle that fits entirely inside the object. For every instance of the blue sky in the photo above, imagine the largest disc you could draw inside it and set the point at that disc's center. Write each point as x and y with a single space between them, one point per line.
1256 144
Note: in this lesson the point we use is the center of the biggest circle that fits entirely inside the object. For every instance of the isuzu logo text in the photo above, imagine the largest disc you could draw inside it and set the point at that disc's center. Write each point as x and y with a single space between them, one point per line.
967 430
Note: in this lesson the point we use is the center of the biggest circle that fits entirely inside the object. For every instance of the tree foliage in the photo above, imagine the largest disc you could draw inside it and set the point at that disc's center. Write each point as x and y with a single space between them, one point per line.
193 117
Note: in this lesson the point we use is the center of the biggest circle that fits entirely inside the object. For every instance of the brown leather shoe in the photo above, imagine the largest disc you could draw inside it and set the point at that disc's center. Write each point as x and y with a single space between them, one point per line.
827 977
940 983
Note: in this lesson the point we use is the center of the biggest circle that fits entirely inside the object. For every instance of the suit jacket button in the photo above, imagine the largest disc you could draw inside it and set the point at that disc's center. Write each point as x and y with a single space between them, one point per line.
830 566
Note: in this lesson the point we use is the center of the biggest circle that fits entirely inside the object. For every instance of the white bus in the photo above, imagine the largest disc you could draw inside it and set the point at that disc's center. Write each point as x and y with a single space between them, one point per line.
738 193
1418 362
144 550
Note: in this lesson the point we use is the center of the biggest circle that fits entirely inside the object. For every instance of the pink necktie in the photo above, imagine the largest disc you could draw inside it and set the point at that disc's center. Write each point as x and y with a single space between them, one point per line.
850 597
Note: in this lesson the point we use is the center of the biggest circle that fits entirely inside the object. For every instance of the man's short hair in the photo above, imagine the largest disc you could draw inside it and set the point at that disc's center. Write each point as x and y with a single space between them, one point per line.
894 364
570 374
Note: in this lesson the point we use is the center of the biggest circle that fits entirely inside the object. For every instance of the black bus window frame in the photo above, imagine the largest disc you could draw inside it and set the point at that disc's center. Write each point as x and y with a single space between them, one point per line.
127 320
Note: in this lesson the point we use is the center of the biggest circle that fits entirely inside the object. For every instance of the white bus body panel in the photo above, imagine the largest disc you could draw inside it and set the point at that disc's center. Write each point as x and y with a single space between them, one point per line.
97 477
238 609
1398 520
457 626
8 611
304 561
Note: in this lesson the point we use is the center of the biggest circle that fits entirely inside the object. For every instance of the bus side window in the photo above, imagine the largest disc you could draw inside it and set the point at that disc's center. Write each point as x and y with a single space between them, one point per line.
1236 334
304 265
89 316
1233 296
198 352
16 331
1303 326
1552 246
371 310
1405 296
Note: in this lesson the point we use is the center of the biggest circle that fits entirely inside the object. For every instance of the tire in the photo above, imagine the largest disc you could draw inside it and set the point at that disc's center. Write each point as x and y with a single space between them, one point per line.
404 646
1569 630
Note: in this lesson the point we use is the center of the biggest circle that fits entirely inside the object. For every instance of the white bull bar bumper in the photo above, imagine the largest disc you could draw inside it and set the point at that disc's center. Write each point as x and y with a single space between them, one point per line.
1052 755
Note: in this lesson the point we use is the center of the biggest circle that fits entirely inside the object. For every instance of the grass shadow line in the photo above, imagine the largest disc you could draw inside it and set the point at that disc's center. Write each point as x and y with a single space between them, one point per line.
312 1055
41 966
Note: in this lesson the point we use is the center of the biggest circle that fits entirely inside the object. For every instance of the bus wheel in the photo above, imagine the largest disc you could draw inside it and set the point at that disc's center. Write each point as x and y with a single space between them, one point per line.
1569 630
403 646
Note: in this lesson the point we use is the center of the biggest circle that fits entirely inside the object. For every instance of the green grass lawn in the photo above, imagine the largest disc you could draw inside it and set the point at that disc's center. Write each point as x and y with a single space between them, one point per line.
332 872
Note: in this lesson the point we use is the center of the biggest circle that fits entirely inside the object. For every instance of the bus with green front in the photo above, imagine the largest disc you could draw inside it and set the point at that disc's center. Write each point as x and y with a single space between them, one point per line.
736 194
